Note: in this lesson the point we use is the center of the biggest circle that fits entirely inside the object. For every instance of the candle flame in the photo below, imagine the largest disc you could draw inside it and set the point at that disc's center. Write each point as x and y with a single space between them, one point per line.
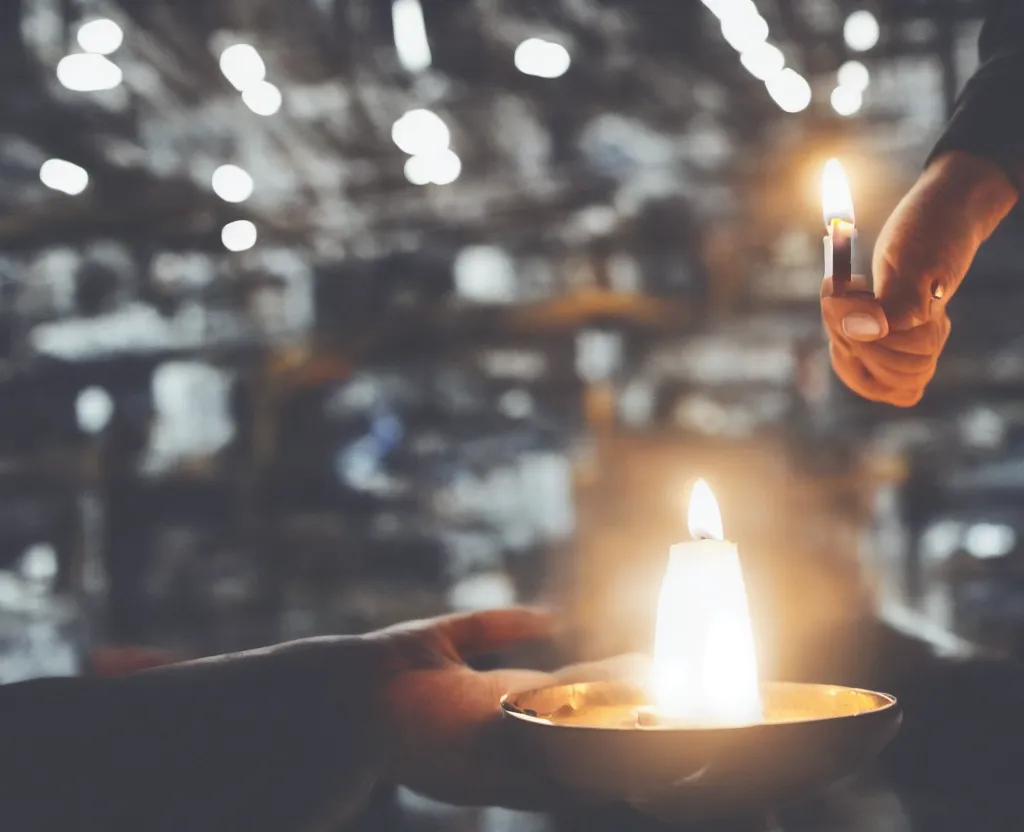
705 669
836 201
704 517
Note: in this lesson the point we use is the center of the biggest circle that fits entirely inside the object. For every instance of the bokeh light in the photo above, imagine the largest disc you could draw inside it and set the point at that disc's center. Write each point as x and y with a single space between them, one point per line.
420 132
242 66
542 58
861 31
64 176
86 72
232 184
263 98
239 235
101 36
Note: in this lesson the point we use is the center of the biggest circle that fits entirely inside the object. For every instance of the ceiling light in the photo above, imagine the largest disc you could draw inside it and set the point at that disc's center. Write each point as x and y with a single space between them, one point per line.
846 100
445 167
417 170
861 31
263 98
420 132
855 75
790 90
411 42
990 540
64 176
440 168
242 66
763 60
716 7
93 409
88 73
101 36
542 58
239 235
732 9
232 184
744 32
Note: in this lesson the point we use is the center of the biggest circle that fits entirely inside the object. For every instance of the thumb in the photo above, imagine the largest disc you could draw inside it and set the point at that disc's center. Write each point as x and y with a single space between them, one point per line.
858 317
491 631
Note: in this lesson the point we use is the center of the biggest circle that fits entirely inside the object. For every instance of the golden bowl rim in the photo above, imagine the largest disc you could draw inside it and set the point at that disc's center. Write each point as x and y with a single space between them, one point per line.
888 703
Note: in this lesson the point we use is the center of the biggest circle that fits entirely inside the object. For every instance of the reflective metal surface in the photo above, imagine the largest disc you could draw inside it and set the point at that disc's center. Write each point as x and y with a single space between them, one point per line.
813 736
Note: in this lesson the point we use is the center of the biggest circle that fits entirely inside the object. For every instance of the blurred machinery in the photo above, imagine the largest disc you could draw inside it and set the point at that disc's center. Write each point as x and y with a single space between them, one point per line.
314 316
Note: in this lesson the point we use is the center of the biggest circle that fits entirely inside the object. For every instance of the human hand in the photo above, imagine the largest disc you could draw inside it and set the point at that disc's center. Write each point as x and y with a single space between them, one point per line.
886 347
445 729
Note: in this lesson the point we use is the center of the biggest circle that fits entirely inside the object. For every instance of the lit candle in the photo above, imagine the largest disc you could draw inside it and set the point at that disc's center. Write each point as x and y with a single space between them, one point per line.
837 207
705 669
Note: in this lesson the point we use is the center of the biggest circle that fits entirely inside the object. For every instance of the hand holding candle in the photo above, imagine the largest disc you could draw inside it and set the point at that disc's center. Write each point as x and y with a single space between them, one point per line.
837 206
885 346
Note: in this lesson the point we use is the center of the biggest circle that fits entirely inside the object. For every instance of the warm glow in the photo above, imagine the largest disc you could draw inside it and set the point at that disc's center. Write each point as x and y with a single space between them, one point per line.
704 518
836 202
705 668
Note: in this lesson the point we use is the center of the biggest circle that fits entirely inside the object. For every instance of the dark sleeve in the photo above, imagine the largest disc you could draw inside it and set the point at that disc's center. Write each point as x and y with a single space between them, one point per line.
963 719
254 742
989 116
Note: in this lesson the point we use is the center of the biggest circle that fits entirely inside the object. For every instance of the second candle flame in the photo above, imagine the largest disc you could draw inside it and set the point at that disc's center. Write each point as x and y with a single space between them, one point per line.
836 201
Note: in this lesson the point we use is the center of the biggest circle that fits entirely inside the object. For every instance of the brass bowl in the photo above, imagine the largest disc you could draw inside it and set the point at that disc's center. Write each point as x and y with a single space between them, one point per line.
812 736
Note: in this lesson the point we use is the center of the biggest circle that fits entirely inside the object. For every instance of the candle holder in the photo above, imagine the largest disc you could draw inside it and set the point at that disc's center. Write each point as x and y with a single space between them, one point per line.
603 742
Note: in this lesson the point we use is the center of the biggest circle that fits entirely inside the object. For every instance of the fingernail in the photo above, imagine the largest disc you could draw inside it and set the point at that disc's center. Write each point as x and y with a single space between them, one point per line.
859 325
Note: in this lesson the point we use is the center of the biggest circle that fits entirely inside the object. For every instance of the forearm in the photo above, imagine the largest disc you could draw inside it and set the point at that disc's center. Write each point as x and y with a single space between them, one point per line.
961 716
979 188
261 741
988 121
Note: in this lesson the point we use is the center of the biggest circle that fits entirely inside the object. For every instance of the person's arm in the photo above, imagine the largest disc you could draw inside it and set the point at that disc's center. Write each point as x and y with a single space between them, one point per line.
886 347
963 725
267 740
286 739
963 717
988 121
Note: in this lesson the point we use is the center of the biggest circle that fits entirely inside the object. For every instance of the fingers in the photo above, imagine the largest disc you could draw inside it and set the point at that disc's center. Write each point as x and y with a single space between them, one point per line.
632 666
877 362
895 370
458 748
480 633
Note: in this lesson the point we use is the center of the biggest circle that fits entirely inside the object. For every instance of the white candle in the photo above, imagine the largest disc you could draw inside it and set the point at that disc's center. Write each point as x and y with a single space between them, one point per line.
837 209
705 668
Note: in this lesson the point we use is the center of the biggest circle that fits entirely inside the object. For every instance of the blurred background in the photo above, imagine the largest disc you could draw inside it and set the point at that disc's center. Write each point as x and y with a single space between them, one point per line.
316 316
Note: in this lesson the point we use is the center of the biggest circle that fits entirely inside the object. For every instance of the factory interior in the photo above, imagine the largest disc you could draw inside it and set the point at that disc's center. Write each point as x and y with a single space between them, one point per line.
321 316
